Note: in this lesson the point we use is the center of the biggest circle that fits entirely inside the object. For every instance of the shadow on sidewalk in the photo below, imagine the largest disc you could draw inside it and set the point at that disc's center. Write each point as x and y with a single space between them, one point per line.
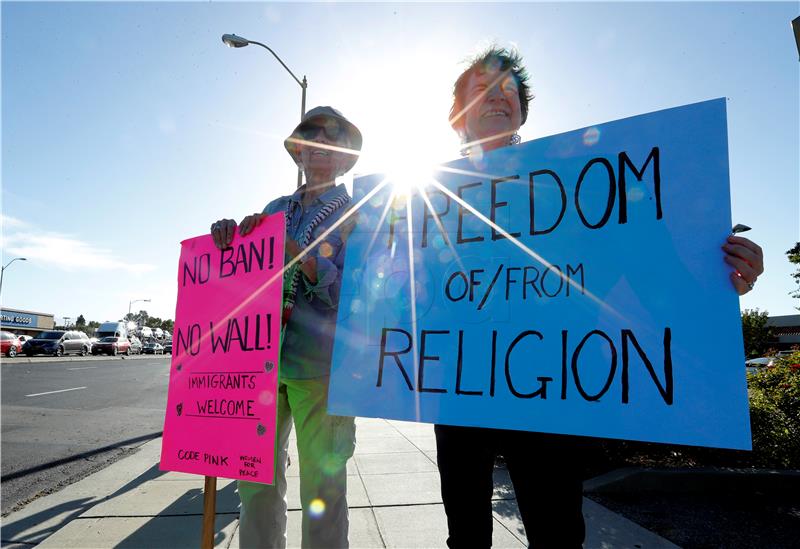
23 530
504 502
175 528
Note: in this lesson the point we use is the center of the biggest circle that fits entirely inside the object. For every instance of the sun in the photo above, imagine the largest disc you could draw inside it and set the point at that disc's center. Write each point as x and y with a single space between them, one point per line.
409 179
408 162
404 118
407 152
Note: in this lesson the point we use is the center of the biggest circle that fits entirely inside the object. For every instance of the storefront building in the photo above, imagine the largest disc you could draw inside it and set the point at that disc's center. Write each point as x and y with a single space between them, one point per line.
21 322
785 331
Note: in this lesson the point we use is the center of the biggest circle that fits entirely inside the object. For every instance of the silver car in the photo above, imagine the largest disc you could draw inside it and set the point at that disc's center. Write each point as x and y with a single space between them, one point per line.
754 364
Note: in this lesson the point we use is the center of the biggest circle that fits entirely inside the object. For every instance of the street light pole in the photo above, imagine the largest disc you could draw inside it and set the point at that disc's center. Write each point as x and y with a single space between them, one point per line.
233 41
131 302
3 270
304 85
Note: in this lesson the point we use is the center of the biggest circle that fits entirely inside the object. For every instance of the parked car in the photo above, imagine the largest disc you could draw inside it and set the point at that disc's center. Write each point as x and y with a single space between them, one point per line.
168 347
153 349
112 345
58 343
785 353
9 344
136 345
754 364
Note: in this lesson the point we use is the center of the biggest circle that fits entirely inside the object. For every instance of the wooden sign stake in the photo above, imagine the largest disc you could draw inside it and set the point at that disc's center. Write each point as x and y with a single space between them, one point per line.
209 512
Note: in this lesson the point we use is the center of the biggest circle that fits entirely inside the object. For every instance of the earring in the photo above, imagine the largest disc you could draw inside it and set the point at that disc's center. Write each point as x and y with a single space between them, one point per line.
515 139
465 146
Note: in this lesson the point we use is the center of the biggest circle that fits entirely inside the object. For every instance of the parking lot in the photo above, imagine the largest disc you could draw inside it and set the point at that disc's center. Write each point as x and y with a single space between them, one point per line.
116 340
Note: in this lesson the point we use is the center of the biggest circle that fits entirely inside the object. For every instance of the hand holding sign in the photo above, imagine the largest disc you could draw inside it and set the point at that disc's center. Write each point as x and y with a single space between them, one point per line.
222 232
747 258
250 222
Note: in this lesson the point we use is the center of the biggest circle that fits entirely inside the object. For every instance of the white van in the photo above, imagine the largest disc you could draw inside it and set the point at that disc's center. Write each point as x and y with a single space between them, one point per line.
113 329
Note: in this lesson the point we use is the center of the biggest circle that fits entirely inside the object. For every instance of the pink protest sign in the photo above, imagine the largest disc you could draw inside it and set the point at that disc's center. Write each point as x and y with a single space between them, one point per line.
220 418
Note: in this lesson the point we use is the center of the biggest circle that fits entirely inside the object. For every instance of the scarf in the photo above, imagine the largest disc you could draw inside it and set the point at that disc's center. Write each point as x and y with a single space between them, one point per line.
291 277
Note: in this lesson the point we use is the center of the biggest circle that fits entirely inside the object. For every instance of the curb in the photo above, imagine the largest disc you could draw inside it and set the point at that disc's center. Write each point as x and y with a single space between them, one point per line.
695 481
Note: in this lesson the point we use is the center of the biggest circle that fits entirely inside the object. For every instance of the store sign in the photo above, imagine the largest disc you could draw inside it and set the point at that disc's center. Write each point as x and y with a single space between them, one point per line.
13 318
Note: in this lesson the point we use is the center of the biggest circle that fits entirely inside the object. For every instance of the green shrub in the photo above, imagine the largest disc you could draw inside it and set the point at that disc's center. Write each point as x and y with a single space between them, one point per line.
775 413
774 394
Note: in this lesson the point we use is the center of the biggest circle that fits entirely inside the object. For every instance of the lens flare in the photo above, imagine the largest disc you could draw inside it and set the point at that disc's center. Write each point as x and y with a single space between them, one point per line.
266 398
316 508
331 465
325 250
398 203
377 201
591 136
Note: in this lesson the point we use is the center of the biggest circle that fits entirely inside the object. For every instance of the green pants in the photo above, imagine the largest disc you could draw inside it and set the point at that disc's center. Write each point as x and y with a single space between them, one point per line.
324 444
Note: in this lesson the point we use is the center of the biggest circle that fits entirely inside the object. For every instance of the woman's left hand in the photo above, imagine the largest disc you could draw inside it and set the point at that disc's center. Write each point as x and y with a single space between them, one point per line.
747 258
292 248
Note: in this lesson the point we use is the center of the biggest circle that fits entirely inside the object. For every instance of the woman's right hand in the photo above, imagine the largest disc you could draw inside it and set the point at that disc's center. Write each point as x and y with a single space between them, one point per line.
222 232
250 222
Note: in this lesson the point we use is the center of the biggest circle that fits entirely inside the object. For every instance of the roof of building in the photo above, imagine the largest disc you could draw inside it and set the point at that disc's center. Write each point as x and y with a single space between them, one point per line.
10 310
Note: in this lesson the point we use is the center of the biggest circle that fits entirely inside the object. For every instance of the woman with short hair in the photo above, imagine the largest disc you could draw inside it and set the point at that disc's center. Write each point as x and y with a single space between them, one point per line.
490 103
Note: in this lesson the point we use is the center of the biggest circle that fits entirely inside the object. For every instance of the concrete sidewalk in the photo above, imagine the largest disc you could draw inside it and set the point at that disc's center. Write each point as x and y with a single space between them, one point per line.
393 494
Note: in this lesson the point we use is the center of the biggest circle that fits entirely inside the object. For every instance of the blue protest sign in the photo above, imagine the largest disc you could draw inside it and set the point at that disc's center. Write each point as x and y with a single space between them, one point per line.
572 284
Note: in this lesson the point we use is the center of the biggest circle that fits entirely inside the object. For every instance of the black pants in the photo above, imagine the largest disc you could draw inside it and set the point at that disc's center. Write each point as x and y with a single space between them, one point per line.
546 472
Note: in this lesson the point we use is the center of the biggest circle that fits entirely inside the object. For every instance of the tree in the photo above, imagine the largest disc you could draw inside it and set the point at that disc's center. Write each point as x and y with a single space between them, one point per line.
168 325
756 333
81 322
794 259
142 318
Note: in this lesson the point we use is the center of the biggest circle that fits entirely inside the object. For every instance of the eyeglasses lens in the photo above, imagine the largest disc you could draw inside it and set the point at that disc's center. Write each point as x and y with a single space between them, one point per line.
331 128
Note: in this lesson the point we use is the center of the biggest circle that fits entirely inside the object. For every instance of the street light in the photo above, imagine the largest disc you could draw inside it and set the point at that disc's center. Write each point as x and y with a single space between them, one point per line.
3 270
131 302
233 41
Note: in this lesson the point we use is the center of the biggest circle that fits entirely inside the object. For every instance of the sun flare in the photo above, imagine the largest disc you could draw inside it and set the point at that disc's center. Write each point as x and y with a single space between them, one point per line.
409 178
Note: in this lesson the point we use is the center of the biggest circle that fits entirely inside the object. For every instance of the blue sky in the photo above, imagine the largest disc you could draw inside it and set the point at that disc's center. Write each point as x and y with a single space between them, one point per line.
129 127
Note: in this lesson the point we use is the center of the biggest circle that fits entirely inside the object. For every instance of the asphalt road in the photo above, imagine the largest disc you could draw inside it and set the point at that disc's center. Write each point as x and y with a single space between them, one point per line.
62 420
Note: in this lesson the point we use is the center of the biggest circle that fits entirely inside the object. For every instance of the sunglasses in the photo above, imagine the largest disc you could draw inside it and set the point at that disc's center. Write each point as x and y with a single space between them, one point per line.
333 131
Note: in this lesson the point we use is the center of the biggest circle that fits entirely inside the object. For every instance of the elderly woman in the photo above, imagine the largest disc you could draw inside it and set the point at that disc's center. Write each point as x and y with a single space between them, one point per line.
490 103
324 145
